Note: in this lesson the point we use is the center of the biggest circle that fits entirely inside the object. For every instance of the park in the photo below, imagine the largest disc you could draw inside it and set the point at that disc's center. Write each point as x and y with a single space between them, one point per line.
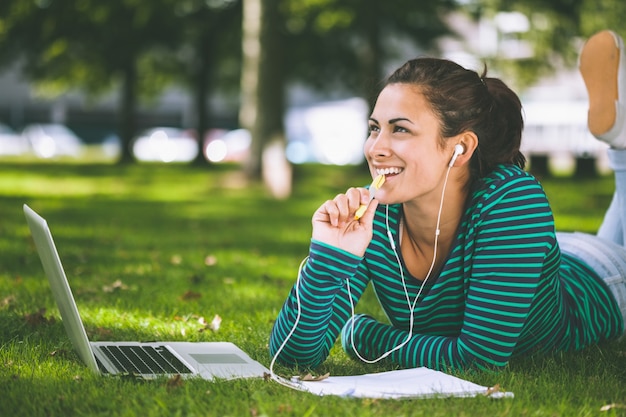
157 251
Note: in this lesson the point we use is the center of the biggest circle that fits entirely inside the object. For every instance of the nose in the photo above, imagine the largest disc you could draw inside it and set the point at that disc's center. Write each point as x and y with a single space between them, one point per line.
378 146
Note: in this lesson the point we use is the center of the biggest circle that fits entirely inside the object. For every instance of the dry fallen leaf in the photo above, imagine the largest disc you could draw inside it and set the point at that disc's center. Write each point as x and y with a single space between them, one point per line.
370 401
611 406
210 260
190 295
176 260
117 285
101 333
8 301
175 382
309 377
215 323
64 353
204 325
493 390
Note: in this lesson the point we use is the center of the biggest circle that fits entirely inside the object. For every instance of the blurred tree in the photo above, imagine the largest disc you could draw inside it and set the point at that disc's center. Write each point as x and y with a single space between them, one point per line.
352 42
96 47
328 44
208 57
554 35
597 15
90 45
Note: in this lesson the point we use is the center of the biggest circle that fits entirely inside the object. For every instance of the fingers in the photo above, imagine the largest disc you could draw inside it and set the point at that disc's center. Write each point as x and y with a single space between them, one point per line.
334 223
368 216
340 210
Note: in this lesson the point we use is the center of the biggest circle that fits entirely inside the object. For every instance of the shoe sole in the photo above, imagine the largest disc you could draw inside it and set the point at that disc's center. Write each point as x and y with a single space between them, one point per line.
599 65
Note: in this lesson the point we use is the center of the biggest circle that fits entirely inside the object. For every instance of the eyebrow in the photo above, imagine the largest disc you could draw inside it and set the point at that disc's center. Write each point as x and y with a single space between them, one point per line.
392 121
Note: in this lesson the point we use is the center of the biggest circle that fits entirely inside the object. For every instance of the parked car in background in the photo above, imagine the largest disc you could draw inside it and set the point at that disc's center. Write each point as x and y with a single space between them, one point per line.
330 132
52 140
327 132
11 142
227 146
165 144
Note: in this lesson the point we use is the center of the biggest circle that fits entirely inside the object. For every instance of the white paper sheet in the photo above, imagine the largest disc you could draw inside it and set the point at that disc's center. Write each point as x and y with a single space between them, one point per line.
407 383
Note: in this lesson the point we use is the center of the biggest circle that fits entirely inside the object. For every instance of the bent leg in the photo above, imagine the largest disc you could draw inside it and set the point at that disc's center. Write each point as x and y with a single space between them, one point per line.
602 65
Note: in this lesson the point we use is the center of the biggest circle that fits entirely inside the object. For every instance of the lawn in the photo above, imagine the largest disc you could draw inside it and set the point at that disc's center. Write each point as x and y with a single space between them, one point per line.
157 251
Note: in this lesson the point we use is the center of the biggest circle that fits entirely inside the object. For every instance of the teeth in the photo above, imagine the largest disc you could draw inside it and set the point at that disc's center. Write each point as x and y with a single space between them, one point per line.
387 171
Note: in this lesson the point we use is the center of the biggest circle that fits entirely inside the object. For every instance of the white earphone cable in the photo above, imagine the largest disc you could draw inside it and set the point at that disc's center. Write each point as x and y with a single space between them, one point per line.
273 375
411 305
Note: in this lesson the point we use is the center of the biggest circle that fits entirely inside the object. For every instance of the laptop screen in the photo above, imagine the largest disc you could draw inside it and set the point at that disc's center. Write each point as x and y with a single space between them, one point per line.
60 287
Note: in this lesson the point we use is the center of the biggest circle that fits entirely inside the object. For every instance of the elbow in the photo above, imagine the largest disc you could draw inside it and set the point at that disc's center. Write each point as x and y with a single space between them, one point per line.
296 358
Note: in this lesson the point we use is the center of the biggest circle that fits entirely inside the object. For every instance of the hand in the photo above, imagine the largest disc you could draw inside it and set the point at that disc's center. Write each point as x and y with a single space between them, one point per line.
334 223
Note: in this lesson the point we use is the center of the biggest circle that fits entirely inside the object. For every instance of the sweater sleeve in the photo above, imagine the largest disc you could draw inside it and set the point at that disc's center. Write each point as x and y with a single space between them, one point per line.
317 307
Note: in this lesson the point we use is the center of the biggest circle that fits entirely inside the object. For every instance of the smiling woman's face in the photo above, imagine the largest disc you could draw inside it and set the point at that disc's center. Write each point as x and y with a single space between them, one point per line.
404 144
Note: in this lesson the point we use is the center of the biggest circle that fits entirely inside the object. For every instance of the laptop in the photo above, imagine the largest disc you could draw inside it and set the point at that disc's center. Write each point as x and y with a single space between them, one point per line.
208 360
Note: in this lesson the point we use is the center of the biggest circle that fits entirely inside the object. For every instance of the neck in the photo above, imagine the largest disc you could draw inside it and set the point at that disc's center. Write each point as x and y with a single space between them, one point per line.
423 219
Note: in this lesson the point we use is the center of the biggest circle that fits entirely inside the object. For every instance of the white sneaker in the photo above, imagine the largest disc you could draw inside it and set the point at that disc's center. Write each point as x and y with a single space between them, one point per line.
602 64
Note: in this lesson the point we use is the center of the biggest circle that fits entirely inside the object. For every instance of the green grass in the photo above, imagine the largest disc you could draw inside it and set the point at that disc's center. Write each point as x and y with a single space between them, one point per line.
187 243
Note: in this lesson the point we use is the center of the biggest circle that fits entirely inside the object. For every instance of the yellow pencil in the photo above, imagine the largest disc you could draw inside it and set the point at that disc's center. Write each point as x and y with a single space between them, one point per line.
375 186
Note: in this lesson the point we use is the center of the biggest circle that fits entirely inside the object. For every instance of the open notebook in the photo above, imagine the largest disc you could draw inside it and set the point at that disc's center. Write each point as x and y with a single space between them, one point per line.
207 360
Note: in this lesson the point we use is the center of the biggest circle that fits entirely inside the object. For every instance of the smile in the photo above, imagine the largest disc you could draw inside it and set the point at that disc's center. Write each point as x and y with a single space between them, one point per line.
388 171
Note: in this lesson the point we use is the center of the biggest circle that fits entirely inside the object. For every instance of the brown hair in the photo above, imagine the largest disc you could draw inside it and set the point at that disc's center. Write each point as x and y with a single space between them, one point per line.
466 101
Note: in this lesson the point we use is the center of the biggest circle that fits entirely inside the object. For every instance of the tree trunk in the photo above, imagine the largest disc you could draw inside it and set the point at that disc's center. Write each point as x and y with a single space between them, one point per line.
251 49
127 121
371 56
202 76
262 80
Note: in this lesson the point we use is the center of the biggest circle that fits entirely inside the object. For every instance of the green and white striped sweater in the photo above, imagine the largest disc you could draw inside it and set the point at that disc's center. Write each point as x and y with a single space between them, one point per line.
505 290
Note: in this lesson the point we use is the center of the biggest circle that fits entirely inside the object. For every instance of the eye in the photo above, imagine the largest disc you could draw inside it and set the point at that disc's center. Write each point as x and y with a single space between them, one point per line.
372 127
400 129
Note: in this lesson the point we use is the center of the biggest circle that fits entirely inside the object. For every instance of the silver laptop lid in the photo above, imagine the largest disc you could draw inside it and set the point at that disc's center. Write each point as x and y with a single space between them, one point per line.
60 287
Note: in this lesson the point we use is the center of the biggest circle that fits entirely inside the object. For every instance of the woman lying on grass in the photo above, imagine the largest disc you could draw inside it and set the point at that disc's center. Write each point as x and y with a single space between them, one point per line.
460 244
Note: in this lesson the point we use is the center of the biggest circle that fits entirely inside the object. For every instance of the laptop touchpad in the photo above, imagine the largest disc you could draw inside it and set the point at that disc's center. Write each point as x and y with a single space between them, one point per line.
206 358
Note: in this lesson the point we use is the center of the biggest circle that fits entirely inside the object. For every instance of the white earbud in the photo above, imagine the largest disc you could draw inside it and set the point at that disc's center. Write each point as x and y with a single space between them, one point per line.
458 150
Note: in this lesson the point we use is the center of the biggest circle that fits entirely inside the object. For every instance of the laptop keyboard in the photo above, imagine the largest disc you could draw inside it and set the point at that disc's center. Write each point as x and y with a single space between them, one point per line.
144 360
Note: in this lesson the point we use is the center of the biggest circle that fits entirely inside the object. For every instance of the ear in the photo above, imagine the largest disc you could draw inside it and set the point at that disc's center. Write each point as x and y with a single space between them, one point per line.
469 141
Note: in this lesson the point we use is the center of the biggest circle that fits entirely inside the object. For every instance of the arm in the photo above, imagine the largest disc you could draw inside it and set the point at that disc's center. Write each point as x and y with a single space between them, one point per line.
318 305
318 302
